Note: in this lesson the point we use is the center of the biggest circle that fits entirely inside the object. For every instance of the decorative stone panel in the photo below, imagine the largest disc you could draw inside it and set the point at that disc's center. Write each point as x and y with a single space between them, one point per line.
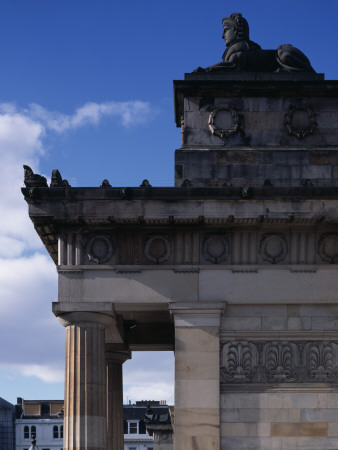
328 248
99 249
300 121
157 248
273 248
216 248
279 362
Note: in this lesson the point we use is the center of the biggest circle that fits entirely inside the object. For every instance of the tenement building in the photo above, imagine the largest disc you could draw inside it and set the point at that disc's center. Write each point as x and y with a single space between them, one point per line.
234 268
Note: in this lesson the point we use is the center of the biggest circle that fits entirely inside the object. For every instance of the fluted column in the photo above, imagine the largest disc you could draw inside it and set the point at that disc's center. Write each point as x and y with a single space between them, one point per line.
85 412
116 355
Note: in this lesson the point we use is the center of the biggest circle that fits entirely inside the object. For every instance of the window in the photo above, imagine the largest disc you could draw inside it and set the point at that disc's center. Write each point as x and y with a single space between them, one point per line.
132 448
55 432
26 432
133 428
33 431
61 432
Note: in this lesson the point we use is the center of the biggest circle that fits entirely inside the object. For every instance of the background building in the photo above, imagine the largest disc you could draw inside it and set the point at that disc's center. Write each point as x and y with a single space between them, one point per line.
135 420
7 441
42 419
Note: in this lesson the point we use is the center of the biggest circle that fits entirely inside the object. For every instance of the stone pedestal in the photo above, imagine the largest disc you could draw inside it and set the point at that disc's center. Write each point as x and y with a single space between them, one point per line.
116 355
197 382
85 413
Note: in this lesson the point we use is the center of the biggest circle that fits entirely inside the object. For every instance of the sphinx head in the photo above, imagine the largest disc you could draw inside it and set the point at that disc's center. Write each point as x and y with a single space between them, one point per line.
235 28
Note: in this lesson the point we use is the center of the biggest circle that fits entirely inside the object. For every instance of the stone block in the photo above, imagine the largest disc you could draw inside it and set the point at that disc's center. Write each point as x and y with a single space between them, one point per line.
319 415
325 323
293 310
251 443
314 429
289 443
238 429
229 415
299 323
294 415
196 422
244 400
264 415
292 400
323 400
332 429
197 442
196 339
263 429
197 394
235 157
197 365
323 157
324 443
241 323
332 400
256 310
274 323
319 310
291 158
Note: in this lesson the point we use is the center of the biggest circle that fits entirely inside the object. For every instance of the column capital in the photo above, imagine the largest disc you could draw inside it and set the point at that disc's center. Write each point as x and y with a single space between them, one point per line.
197 314
117 353
84 314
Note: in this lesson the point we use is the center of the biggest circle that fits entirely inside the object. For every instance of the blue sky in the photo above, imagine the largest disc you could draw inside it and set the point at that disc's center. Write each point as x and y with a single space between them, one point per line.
86 87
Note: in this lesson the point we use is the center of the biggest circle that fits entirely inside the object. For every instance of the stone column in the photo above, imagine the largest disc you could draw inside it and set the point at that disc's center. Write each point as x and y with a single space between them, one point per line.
197 379
116 355
85 411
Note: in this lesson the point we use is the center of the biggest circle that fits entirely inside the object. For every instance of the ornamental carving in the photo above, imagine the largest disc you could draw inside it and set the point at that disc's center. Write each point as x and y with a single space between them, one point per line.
99 249
216 248
157 249
328 248
220 116
300 121
279 362
273 248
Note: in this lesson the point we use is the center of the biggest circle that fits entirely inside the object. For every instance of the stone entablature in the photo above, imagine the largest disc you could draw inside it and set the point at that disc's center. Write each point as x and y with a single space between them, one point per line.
187 226
225 245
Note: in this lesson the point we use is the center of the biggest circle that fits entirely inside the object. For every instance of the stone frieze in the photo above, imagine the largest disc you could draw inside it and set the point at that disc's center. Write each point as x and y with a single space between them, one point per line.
279 362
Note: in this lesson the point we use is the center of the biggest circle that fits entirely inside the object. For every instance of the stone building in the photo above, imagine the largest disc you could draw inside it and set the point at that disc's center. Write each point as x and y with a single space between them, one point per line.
234 268
39 419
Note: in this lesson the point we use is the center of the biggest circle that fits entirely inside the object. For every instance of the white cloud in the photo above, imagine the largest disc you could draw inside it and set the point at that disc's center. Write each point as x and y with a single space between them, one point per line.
28 281
129 113
149 376
46 373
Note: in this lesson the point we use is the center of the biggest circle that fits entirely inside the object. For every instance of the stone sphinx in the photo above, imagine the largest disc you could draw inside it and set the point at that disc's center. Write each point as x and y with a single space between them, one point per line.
242 54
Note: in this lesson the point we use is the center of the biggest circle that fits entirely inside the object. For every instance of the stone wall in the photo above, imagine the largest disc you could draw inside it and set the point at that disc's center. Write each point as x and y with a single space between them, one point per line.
279 377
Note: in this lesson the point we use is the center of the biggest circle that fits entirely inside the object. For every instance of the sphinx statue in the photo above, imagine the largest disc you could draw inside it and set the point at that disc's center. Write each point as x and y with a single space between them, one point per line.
242 54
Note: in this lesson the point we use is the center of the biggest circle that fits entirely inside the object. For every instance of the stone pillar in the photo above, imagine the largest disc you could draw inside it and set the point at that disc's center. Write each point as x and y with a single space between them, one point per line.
116 355
85 412
197 380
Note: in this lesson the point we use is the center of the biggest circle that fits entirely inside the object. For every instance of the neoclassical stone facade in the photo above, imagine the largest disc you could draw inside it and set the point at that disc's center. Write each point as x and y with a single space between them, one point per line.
234 268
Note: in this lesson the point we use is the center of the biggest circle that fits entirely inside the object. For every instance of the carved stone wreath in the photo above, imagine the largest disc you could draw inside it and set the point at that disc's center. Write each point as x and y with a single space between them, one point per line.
157 248
99 249
216 248
226 132
273 248
300 133
328 248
